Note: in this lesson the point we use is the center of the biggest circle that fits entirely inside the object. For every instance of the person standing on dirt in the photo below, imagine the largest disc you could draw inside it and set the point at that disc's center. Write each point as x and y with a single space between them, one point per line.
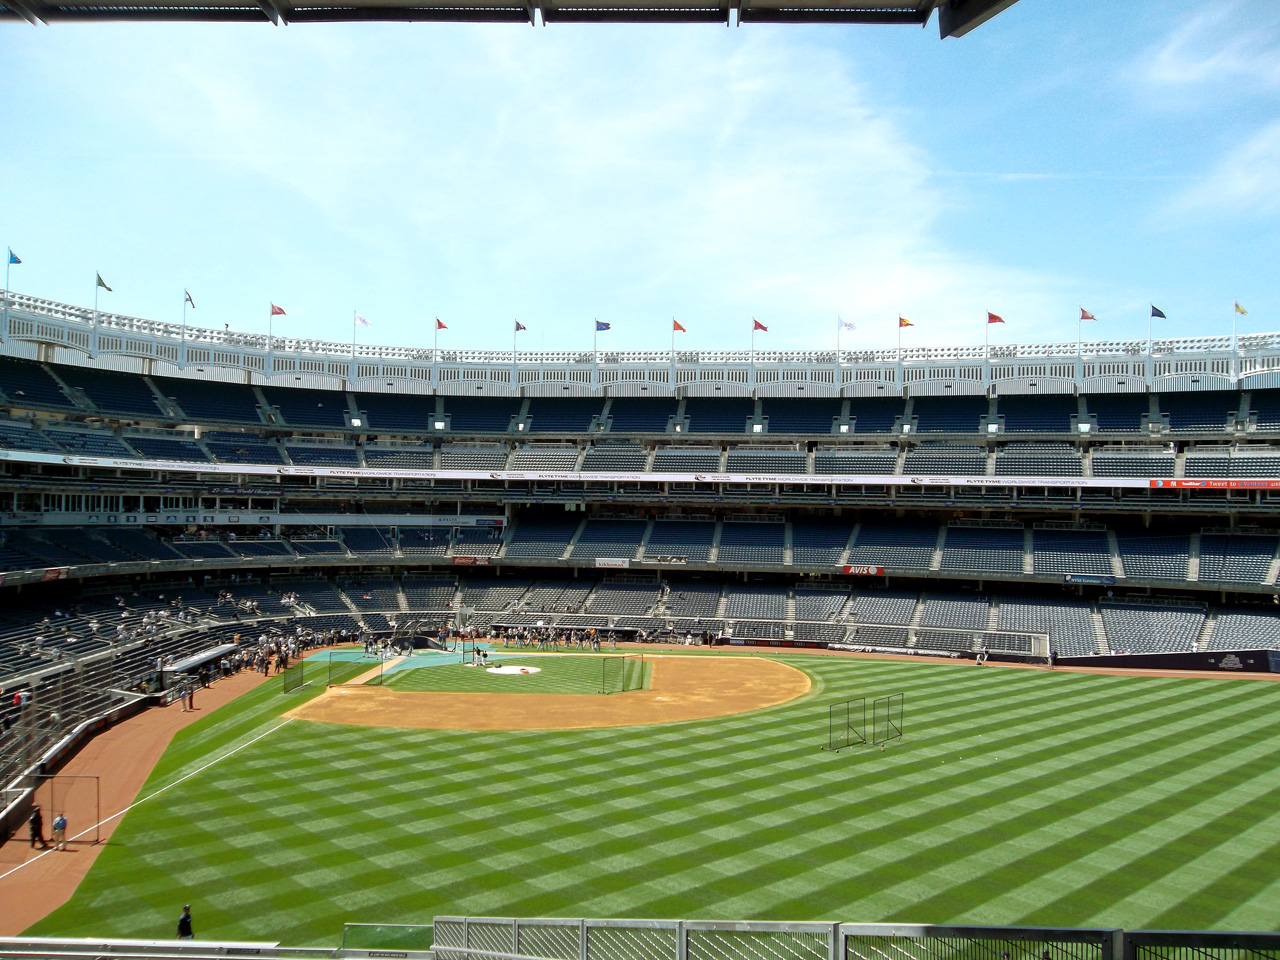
60 831
184 924
35 823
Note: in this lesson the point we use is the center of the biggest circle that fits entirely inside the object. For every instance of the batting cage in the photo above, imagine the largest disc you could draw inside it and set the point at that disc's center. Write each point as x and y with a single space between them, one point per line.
886 718
846 724
78 798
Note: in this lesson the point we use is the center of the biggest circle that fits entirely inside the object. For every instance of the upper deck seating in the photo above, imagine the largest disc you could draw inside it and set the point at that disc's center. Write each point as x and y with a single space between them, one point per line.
563 414
331 455
681 538
767 461
819 543
398 412
556 459
481 414
1154 558
949 414
641 415
959 460
1048 413
686 460
168 448
304 407
206 401
541 538
126 394
1204 412
982 549
797 415
609 538
403 458
27 383
760 543
899 545
855 462
454 457
875 414
715 415
615 458
1039 460
1119 412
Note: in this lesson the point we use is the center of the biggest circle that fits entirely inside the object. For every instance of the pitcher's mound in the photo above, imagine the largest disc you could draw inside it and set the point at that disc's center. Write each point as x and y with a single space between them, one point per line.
680 688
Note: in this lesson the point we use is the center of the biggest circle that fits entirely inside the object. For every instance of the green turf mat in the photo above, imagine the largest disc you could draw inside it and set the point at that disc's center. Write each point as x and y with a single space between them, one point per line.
558 673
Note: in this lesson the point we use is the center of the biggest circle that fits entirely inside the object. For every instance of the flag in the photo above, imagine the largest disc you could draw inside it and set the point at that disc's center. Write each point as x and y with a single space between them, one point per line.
361 320
1241 310
440 324
1086 315
277 311
601 325
676 328
13 257
103 284
904 322
848 326
189 300
758 326
994 318
1157 312
520 326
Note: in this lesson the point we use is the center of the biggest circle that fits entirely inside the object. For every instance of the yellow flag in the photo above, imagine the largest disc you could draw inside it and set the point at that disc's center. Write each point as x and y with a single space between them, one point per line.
1241 310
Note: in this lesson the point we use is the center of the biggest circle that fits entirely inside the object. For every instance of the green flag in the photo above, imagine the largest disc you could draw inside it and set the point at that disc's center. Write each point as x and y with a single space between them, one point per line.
102 284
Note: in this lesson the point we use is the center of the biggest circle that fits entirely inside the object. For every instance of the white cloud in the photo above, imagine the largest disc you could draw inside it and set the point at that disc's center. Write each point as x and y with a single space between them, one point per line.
1222 44
1245 182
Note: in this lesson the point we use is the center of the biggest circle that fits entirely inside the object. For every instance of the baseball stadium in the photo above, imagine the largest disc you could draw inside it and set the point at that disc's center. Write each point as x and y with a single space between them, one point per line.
332 650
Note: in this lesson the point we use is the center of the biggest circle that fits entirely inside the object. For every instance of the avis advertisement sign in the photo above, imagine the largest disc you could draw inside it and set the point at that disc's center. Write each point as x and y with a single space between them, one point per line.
861 570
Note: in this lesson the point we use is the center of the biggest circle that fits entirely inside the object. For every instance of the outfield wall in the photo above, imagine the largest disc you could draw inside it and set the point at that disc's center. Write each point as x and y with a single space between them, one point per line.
1228 661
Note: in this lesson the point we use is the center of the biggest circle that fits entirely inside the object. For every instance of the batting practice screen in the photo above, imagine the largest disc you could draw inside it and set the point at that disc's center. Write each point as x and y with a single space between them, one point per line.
886 718
846 724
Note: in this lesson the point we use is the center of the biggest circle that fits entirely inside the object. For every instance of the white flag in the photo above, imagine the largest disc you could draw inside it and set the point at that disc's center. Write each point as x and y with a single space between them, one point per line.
361 320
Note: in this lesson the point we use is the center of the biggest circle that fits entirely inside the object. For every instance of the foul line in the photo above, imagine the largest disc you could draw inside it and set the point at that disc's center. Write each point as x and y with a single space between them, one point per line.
121 813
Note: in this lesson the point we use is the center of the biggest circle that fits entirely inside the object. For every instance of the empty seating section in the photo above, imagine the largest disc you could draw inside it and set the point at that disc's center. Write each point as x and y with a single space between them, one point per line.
419 458
111 392
943 640
1038 460
167 448
793 415
1119 412
556 596
20 436
203 549
540 538
332 456
875 414
140 544
983 549
692 600
1071 551
949 414
368 541
241 448
829 462
563 415
260 548
477 541
409 412
1134 628
1206 411
1114 463
1265 404
28 384
380 594
615 458
203 401
686 460
429 593
755 604
633 599
1069 625
883 607
885 638
558 459
819 604
494 595
609 538
419 543
480 414
829 632
302 407
1246 629
1154 558
1235 559
946 460
1037 414
691 539
1234 464
759 631
640 415
766 462
89 443
711 415
819 543
955 611
320 547
754 543
903 546
457 457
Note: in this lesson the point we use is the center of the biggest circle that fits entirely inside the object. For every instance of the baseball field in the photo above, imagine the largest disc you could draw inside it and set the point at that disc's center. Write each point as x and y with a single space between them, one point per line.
1014 797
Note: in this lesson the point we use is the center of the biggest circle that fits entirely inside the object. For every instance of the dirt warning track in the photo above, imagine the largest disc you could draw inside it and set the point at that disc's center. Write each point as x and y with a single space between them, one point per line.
680 688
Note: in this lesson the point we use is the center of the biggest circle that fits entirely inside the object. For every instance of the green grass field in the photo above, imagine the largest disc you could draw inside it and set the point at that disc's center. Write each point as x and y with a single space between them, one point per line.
559 673
1016 797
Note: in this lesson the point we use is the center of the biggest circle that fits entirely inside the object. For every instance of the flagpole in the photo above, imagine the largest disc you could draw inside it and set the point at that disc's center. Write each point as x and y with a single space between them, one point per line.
435 342
96 277
515 330
839 324
8 265
182 347
353 334
753 342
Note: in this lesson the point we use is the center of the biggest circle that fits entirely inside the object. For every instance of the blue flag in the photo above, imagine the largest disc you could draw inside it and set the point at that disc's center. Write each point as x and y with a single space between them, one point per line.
1157 312
520 326
600 325
13 257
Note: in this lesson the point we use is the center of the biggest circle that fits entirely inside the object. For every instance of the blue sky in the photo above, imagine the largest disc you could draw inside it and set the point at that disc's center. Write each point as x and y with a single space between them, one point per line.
1110 155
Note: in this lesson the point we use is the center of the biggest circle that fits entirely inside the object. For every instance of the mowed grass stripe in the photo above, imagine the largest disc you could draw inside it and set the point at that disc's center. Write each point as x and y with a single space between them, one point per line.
735 817
549 674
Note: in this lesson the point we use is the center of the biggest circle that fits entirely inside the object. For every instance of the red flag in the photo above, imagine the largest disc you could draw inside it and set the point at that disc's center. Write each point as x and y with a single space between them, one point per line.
992 318
1086 315
276 311
676 328
759 325
904 322
440 324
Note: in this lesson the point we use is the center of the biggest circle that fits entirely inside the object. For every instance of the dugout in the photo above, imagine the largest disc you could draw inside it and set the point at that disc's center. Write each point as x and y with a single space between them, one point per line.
174 672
